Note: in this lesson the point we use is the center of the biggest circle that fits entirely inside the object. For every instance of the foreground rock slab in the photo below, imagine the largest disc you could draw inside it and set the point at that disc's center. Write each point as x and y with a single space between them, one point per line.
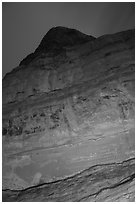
106 182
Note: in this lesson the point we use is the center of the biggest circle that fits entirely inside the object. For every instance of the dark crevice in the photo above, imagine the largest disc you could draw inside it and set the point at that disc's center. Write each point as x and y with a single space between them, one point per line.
93 177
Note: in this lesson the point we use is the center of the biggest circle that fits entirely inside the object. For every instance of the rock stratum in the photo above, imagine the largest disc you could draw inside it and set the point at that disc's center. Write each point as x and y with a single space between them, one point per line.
68 120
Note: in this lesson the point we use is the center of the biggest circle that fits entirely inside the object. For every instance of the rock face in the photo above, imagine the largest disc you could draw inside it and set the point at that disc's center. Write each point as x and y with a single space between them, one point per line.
68 120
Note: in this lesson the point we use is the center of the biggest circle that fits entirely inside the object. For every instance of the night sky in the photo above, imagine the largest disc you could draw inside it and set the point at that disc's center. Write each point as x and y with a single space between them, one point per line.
25 24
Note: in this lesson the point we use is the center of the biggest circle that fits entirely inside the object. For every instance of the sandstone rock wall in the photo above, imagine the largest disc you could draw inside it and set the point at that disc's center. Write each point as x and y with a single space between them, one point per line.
68 109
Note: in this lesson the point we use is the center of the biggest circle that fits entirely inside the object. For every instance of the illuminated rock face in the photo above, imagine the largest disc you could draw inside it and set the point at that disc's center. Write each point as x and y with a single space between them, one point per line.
67 107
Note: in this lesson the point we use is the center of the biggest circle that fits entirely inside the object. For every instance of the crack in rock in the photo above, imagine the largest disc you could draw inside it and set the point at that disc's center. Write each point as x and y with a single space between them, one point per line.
96 179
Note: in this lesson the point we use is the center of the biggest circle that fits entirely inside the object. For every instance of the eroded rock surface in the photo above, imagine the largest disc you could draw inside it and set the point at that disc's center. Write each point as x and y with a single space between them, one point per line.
67 107
111 182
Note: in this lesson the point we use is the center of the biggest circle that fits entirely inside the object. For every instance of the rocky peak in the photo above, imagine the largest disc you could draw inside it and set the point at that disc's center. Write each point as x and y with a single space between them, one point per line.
56 39
61 37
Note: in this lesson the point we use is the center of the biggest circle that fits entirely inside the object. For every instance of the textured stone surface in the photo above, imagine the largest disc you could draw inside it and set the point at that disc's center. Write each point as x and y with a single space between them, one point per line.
112 182
67 107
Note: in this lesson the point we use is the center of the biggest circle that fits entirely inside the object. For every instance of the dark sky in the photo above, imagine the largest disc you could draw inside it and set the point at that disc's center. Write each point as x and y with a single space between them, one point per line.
25 24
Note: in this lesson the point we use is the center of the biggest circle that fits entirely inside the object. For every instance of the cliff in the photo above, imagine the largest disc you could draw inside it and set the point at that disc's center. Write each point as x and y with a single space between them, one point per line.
68 120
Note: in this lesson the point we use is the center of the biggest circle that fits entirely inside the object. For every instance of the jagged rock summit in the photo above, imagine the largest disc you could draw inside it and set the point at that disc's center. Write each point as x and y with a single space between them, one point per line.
68 120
